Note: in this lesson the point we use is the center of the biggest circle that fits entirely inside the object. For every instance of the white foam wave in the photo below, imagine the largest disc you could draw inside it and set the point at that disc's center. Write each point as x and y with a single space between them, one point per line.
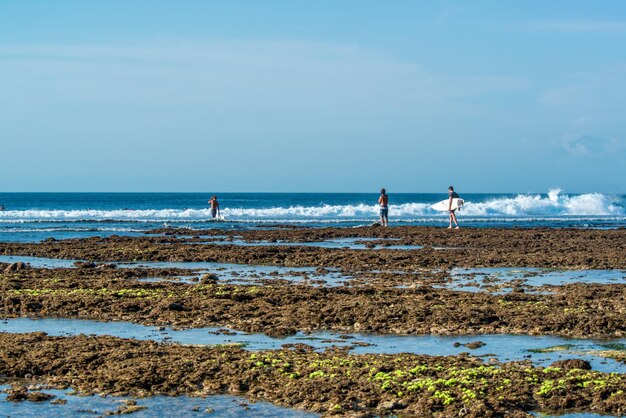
99 215
554 205
67 229
310 212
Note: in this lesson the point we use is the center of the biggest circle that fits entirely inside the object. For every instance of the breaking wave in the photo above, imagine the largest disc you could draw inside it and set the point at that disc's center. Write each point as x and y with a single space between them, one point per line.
555 204
535 206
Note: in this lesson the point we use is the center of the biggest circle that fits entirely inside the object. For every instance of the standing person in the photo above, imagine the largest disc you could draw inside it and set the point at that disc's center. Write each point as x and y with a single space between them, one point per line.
215 207
383 200
452 195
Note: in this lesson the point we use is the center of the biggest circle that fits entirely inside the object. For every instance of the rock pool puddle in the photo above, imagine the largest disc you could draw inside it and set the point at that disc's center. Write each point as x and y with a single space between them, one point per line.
335 243
541 350
570 415
246 273
38 262
498 280
66 404
225 272
504 279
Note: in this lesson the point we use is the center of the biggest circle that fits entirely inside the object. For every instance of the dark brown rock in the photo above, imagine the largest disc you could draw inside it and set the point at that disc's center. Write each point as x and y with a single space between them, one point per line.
572 364
208 279
85 265
474 345
16 267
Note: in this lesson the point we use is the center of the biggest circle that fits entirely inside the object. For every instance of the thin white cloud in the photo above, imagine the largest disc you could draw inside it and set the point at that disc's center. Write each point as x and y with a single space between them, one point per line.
246 74
591 145
594 93
564 96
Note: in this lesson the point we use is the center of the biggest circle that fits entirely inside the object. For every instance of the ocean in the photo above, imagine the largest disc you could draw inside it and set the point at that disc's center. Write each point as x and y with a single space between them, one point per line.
32 217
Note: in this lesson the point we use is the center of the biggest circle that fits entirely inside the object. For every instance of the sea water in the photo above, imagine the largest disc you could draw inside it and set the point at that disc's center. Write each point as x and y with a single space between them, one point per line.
156 406
32 217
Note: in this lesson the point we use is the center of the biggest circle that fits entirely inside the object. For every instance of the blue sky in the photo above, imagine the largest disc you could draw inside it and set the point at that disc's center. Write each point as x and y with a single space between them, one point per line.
331 96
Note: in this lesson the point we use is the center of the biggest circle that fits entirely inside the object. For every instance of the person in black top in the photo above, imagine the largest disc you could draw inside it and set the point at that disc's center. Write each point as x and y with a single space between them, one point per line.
452 195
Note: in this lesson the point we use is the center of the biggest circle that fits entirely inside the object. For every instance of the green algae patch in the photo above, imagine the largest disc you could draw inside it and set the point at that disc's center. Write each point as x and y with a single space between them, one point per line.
618 355
122 293
614 346
552 349
328 382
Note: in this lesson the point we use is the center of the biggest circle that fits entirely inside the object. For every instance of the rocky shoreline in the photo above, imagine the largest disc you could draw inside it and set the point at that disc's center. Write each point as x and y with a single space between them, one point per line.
576 310
330 382
489 247
386 291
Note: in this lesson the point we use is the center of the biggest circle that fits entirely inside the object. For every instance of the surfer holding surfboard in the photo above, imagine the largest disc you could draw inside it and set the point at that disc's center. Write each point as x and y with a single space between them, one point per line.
450 205
451 196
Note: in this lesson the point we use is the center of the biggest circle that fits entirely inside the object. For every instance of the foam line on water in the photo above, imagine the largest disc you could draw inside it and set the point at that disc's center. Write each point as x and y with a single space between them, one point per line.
553 205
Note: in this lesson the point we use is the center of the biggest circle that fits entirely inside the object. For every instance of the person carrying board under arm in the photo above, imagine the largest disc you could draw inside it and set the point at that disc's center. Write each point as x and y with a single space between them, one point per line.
452 195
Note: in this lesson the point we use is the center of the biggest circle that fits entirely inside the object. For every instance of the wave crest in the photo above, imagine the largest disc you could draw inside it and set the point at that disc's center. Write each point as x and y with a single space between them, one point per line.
555 204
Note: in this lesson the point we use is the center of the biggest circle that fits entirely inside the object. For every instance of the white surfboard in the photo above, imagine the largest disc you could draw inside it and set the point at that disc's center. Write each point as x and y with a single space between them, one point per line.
444 205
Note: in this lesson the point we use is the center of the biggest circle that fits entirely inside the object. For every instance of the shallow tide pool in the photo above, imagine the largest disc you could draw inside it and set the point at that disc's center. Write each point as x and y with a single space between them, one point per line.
479 279
156 406
502 347
226 272
335 243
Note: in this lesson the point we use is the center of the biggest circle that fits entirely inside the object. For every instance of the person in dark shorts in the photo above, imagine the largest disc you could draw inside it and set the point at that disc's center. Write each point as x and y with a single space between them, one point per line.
215 207
383 200
452 195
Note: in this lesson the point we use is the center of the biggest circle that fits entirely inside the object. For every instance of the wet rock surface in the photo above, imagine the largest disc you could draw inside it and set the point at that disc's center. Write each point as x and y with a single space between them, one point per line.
85 265
581 310
208 279
488 247
22 393
572 364
16 267
330 382
388 291
475 344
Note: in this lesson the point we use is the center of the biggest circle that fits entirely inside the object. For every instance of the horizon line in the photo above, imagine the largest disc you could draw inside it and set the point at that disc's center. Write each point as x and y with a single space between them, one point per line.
443 191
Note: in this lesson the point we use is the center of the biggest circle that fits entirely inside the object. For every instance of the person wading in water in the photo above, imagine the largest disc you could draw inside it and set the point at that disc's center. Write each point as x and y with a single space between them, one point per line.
215 207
